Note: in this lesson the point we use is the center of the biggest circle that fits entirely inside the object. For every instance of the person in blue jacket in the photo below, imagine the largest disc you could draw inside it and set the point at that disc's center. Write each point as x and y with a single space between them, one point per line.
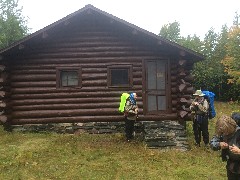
227 139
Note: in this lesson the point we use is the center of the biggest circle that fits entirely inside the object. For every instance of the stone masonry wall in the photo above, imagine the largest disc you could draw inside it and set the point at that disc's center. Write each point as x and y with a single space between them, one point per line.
156 134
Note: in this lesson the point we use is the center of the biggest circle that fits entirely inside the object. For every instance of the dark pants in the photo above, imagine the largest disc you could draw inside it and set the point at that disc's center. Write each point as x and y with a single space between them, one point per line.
129 128
234 165
232 176
200 128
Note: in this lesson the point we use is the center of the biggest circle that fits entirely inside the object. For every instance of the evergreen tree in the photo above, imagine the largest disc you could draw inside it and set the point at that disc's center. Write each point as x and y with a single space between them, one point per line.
12 24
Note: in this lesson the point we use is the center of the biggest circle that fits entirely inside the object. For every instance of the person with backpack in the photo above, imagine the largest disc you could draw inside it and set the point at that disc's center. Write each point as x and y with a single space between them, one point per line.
199 108
227 139
130 114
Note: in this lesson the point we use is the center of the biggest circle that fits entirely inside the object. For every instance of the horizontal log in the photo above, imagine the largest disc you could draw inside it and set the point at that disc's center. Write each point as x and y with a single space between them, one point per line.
67 119
33 71
66 113
189 78
183 100
87 55
76 119
34 84
65 100
174 102
40 89
189 90
188 117
69 95
6 88
101 50
38 80
61 106
84 63
174 90
174 78
173 84
174 96
34 77
186 96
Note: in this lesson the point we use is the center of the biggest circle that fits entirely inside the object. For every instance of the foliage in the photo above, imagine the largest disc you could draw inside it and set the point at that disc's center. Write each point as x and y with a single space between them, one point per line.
209 74
192 42
95 156
12 24
231 61
171 31
221 64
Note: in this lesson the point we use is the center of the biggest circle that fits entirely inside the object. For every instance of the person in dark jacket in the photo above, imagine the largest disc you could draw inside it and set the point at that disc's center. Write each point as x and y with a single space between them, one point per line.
130 113
199 108
227 139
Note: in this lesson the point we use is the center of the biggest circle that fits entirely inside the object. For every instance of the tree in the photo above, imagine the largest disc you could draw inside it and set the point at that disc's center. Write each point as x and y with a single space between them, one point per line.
192 42
12 24
171 31
231 61
204 71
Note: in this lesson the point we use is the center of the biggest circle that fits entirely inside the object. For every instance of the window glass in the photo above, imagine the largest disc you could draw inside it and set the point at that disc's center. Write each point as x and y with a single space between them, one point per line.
69 78
120 76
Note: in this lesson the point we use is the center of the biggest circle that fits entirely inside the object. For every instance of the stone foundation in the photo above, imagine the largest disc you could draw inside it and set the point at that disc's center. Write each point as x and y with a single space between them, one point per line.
156 134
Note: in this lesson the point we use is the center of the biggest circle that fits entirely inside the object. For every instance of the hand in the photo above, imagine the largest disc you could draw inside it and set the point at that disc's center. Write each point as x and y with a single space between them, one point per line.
223 145
196 103
234 149
136 110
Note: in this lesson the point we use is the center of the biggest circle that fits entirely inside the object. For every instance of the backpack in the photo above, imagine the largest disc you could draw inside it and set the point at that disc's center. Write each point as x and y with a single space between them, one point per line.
209 96
122 104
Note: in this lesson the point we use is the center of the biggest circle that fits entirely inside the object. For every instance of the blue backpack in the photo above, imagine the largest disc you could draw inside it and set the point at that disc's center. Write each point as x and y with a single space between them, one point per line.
210 98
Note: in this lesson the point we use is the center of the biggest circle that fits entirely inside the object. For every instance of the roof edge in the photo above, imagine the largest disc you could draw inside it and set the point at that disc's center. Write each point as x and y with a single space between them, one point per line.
89 6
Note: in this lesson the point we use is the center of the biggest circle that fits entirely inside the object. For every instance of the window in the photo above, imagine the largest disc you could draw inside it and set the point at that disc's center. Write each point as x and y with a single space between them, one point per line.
69 77
120 76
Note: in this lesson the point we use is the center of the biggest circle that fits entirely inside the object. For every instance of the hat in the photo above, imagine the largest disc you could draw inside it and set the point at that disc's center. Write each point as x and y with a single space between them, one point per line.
198 93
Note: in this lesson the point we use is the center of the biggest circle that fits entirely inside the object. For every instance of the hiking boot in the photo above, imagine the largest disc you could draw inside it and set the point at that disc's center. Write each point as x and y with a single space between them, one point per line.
197 144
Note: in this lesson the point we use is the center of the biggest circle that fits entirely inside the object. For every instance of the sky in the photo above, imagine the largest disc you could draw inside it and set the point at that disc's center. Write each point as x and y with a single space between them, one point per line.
194 16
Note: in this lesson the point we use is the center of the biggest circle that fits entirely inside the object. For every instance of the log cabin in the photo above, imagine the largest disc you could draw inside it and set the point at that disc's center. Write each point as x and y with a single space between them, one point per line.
76 69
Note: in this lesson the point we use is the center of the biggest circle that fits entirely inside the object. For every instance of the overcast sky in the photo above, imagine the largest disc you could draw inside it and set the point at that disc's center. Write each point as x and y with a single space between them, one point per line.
194 16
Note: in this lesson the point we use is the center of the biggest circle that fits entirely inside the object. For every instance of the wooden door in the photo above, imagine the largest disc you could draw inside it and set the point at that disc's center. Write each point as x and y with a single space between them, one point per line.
156 86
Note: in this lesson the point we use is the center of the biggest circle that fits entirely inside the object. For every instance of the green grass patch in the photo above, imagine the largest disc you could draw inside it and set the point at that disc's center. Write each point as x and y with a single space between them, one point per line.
63 156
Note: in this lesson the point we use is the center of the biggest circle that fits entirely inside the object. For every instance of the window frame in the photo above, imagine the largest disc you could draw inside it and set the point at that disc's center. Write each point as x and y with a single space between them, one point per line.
130 75
70 69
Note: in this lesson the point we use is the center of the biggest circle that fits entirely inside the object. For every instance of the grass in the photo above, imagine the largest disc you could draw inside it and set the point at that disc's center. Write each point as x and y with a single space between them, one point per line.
45 156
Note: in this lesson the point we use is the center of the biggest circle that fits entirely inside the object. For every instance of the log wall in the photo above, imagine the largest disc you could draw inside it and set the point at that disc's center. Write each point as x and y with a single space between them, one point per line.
32 78
29 91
